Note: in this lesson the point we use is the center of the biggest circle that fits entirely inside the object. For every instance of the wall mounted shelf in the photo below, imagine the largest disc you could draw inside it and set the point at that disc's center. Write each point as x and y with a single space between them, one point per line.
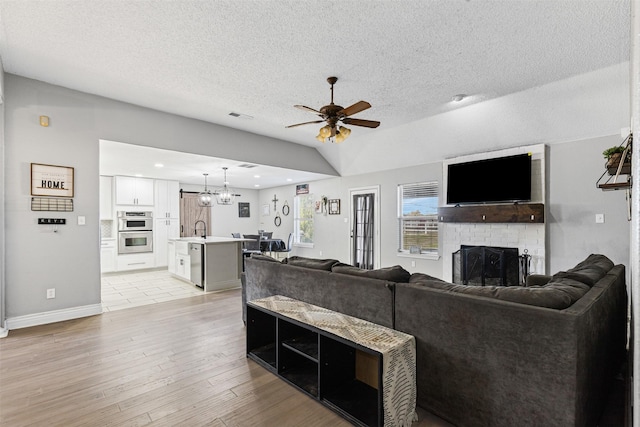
532 213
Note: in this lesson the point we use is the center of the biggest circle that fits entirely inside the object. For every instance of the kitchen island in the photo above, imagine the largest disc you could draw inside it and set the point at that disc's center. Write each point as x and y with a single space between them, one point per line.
212 263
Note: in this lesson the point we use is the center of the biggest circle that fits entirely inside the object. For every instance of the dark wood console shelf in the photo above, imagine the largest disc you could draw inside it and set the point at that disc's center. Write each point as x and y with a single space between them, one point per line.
343 374
532 213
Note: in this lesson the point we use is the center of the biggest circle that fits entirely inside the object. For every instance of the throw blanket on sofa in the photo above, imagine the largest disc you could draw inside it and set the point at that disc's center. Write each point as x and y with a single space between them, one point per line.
397 348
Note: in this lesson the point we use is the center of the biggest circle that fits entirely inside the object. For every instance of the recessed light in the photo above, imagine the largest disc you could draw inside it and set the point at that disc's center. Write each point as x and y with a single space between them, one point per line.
256 176
289 179
139 175
256 185
459 97
159 165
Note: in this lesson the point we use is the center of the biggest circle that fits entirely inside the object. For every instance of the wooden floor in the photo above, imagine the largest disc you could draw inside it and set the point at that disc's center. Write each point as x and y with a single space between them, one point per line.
174 363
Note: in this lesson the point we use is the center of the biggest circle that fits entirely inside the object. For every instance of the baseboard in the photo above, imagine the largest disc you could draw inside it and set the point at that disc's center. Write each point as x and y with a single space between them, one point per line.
52 316
4 332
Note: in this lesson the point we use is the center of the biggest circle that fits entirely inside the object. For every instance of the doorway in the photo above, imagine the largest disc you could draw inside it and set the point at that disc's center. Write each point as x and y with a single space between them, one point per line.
365 227
190 213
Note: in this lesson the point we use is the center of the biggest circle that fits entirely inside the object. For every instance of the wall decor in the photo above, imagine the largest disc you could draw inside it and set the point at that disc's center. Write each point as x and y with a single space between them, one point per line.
334 207
50 180
318 206
265 209
277 220
244 210
51 204
302 189
285 208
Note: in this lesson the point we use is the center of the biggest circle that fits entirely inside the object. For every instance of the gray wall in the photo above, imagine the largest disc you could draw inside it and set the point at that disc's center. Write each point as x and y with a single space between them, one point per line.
2 221
574 200
332 232
36 257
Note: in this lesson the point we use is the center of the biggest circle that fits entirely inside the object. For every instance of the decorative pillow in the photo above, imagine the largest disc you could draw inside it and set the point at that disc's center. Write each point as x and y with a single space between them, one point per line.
392 274
318 264
263 258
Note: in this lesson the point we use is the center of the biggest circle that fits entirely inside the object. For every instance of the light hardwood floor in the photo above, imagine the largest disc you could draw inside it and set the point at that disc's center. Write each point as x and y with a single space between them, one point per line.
179 362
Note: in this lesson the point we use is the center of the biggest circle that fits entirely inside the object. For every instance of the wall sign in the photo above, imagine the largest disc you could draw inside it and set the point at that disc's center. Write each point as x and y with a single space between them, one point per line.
49 180
302 189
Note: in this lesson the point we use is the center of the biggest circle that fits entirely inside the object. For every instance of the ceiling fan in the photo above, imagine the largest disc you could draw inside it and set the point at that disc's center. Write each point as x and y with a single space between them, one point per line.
332 114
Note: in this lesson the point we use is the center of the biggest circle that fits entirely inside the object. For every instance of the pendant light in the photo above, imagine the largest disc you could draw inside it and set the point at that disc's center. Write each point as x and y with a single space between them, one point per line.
205 197
225 195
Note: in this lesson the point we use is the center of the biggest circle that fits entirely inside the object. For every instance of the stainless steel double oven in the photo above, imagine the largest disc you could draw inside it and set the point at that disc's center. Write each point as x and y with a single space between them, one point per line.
135 232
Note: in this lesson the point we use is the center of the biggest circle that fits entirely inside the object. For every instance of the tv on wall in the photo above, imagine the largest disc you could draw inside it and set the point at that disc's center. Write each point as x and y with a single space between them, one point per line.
501 179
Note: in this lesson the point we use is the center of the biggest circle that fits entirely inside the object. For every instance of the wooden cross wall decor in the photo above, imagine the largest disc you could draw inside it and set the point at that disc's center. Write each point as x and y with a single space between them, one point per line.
275 200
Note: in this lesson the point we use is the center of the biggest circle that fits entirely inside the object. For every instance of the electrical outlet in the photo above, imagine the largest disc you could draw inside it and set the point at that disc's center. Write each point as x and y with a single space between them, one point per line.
320 253
599 218
51 293
413 263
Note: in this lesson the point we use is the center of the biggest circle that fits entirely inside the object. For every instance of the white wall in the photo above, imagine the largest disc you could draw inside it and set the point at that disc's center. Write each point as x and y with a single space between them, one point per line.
2 215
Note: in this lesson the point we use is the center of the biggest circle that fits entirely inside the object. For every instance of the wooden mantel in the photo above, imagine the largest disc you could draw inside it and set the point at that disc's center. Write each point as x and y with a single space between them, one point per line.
532 213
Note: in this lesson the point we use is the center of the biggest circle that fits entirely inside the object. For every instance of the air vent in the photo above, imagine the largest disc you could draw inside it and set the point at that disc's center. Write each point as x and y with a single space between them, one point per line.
247 166
240 115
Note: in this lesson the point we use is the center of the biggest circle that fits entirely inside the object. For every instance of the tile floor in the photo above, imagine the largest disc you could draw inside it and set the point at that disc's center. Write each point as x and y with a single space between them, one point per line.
126 290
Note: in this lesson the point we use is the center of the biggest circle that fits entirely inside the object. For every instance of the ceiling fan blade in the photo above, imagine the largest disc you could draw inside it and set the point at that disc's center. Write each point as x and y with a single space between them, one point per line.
304 107
360 122
355 108
305 123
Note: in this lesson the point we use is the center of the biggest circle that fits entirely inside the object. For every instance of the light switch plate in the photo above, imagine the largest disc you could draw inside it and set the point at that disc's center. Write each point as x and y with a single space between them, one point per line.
599 218
82 220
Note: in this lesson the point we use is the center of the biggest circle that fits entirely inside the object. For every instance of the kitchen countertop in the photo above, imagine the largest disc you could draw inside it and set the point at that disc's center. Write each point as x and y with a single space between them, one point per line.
209 240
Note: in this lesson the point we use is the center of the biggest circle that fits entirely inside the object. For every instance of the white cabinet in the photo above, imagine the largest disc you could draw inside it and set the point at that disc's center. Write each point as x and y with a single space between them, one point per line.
167 198
134 191
106 197
135 261
163 230
107 255
171 256
183 266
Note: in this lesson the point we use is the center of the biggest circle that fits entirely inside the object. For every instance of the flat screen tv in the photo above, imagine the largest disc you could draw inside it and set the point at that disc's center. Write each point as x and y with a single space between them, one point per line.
501 179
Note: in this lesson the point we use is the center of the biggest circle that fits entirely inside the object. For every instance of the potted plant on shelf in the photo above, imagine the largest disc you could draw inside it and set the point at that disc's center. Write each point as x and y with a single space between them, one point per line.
613 155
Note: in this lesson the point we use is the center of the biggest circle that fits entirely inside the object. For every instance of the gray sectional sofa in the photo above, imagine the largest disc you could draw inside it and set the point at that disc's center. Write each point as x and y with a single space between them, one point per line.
486 356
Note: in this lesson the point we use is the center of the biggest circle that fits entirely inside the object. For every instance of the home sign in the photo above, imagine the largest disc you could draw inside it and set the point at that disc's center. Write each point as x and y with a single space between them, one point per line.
50 180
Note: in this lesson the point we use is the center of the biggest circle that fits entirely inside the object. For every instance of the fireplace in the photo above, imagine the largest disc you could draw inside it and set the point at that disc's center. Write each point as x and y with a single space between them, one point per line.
488 265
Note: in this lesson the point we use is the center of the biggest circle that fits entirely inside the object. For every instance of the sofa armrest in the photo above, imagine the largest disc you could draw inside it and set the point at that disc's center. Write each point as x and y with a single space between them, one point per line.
537 280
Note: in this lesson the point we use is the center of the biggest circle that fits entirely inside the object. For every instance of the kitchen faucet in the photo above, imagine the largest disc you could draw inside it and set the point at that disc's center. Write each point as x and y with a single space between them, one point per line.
195 228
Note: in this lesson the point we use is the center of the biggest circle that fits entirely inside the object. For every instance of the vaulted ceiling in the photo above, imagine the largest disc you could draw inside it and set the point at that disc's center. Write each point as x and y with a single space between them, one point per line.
207 59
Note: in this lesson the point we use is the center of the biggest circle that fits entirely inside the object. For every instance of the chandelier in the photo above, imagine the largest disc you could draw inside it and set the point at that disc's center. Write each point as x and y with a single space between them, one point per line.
333 133
205 197
225 195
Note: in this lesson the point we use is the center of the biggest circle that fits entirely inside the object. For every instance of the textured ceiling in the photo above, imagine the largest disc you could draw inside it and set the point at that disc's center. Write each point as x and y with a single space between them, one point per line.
205 59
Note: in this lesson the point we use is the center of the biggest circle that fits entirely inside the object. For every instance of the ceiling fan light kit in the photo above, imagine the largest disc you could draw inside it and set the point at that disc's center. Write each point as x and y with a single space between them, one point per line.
333 114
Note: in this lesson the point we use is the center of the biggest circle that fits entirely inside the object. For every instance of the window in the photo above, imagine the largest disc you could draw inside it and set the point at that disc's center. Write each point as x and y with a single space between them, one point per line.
303 209
418 218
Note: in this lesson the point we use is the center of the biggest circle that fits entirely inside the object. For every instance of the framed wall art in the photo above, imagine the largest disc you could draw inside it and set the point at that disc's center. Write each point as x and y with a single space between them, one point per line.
244 210
334 206
50 180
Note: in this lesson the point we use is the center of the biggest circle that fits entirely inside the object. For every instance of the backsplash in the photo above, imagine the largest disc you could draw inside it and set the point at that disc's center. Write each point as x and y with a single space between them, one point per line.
106 228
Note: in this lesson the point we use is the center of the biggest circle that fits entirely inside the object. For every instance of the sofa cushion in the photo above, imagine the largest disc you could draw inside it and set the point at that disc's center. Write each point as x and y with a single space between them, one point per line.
422 279
264 258
318 264
393 274
589 271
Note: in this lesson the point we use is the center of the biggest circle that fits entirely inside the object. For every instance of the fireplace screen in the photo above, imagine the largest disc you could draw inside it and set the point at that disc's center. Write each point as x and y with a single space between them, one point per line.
486 266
